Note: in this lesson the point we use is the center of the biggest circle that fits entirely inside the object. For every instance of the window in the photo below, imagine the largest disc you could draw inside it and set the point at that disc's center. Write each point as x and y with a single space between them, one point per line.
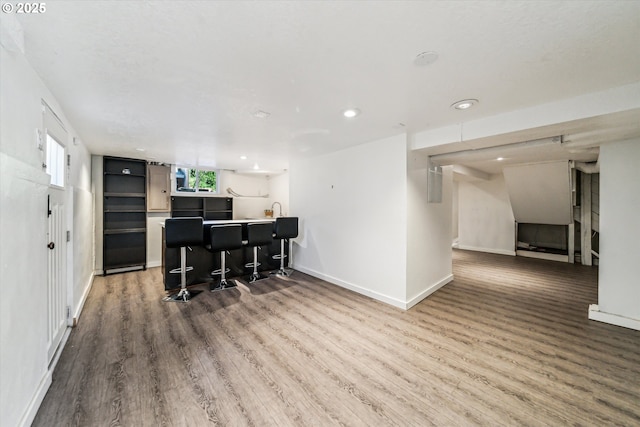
55 161
193 179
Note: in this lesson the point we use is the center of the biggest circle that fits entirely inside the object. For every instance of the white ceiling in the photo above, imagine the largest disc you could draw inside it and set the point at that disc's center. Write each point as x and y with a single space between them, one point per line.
182 79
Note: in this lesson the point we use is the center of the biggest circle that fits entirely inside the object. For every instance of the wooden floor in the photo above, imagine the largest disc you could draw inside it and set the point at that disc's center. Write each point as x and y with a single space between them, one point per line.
507 342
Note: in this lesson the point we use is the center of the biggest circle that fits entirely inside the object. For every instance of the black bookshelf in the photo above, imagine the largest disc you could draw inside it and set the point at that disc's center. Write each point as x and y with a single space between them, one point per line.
124 214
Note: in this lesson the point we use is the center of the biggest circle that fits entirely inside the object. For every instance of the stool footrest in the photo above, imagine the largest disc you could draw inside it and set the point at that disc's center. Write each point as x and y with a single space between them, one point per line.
251 265
219 271
179 270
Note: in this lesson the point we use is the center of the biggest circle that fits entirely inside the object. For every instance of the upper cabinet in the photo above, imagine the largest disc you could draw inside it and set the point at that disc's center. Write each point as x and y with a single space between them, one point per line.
159 188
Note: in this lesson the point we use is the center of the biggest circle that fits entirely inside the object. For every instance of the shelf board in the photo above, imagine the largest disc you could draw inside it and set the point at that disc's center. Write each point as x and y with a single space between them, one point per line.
126 174
124 265
126 230
124 210
141 195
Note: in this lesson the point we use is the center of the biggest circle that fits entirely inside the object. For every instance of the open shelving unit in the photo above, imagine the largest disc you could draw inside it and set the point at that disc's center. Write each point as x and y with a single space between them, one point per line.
209 208
124 214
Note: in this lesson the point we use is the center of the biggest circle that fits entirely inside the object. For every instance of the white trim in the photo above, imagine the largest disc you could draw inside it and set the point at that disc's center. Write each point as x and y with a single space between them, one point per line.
613 319
83 299
487 250
431 289
153 264
543 255
352 287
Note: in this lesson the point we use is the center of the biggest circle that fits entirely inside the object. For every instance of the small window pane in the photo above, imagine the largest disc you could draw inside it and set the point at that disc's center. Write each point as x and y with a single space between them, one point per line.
193 179
55 161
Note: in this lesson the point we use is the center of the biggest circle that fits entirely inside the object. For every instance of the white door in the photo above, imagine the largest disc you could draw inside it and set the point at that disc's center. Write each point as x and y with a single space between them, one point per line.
57 282
57 248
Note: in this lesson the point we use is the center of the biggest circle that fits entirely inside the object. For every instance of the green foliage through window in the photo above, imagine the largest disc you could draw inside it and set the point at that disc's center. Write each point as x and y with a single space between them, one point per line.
192 179
207 179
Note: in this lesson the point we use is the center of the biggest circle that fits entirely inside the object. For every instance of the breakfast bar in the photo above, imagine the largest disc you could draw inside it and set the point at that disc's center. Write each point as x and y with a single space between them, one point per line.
204 261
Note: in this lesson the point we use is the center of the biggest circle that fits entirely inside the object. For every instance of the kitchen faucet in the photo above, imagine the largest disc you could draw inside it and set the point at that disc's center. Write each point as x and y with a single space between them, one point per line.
273 204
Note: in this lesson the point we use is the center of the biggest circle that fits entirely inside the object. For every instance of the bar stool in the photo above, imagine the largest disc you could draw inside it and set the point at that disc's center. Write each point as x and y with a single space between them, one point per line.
182 233
224 238
284 228
258 234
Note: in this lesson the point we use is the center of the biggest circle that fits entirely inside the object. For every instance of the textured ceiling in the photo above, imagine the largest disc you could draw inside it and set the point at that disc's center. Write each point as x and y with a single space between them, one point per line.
181 79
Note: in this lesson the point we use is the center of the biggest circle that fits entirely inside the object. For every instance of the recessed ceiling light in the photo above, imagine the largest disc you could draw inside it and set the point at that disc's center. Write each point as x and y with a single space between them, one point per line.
261 114
500 159
425 58
351 113
140 150
465 104
243 157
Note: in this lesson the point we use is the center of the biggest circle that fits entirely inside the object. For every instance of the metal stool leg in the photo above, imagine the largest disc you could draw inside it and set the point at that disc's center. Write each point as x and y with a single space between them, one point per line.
184 295
255 275
282 271
224 283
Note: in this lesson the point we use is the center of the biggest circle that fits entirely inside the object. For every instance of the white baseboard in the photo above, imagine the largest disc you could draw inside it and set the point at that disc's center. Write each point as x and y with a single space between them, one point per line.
487 250
154 264
613 319
38 397
431 289
405 305
85 294
45 383
352 287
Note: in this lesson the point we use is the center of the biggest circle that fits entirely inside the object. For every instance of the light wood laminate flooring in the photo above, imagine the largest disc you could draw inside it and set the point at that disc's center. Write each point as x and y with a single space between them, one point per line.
507 342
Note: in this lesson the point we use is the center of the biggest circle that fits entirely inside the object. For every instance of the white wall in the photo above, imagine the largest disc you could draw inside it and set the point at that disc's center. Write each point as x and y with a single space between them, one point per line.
429 229
279 192
24 374
486 221
619 285
247 185
352 209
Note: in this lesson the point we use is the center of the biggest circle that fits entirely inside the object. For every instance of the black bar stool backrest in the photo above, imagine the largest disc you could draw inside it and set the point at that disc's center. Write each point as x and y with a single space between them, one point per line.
286 227
226 237
180 232
259 233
